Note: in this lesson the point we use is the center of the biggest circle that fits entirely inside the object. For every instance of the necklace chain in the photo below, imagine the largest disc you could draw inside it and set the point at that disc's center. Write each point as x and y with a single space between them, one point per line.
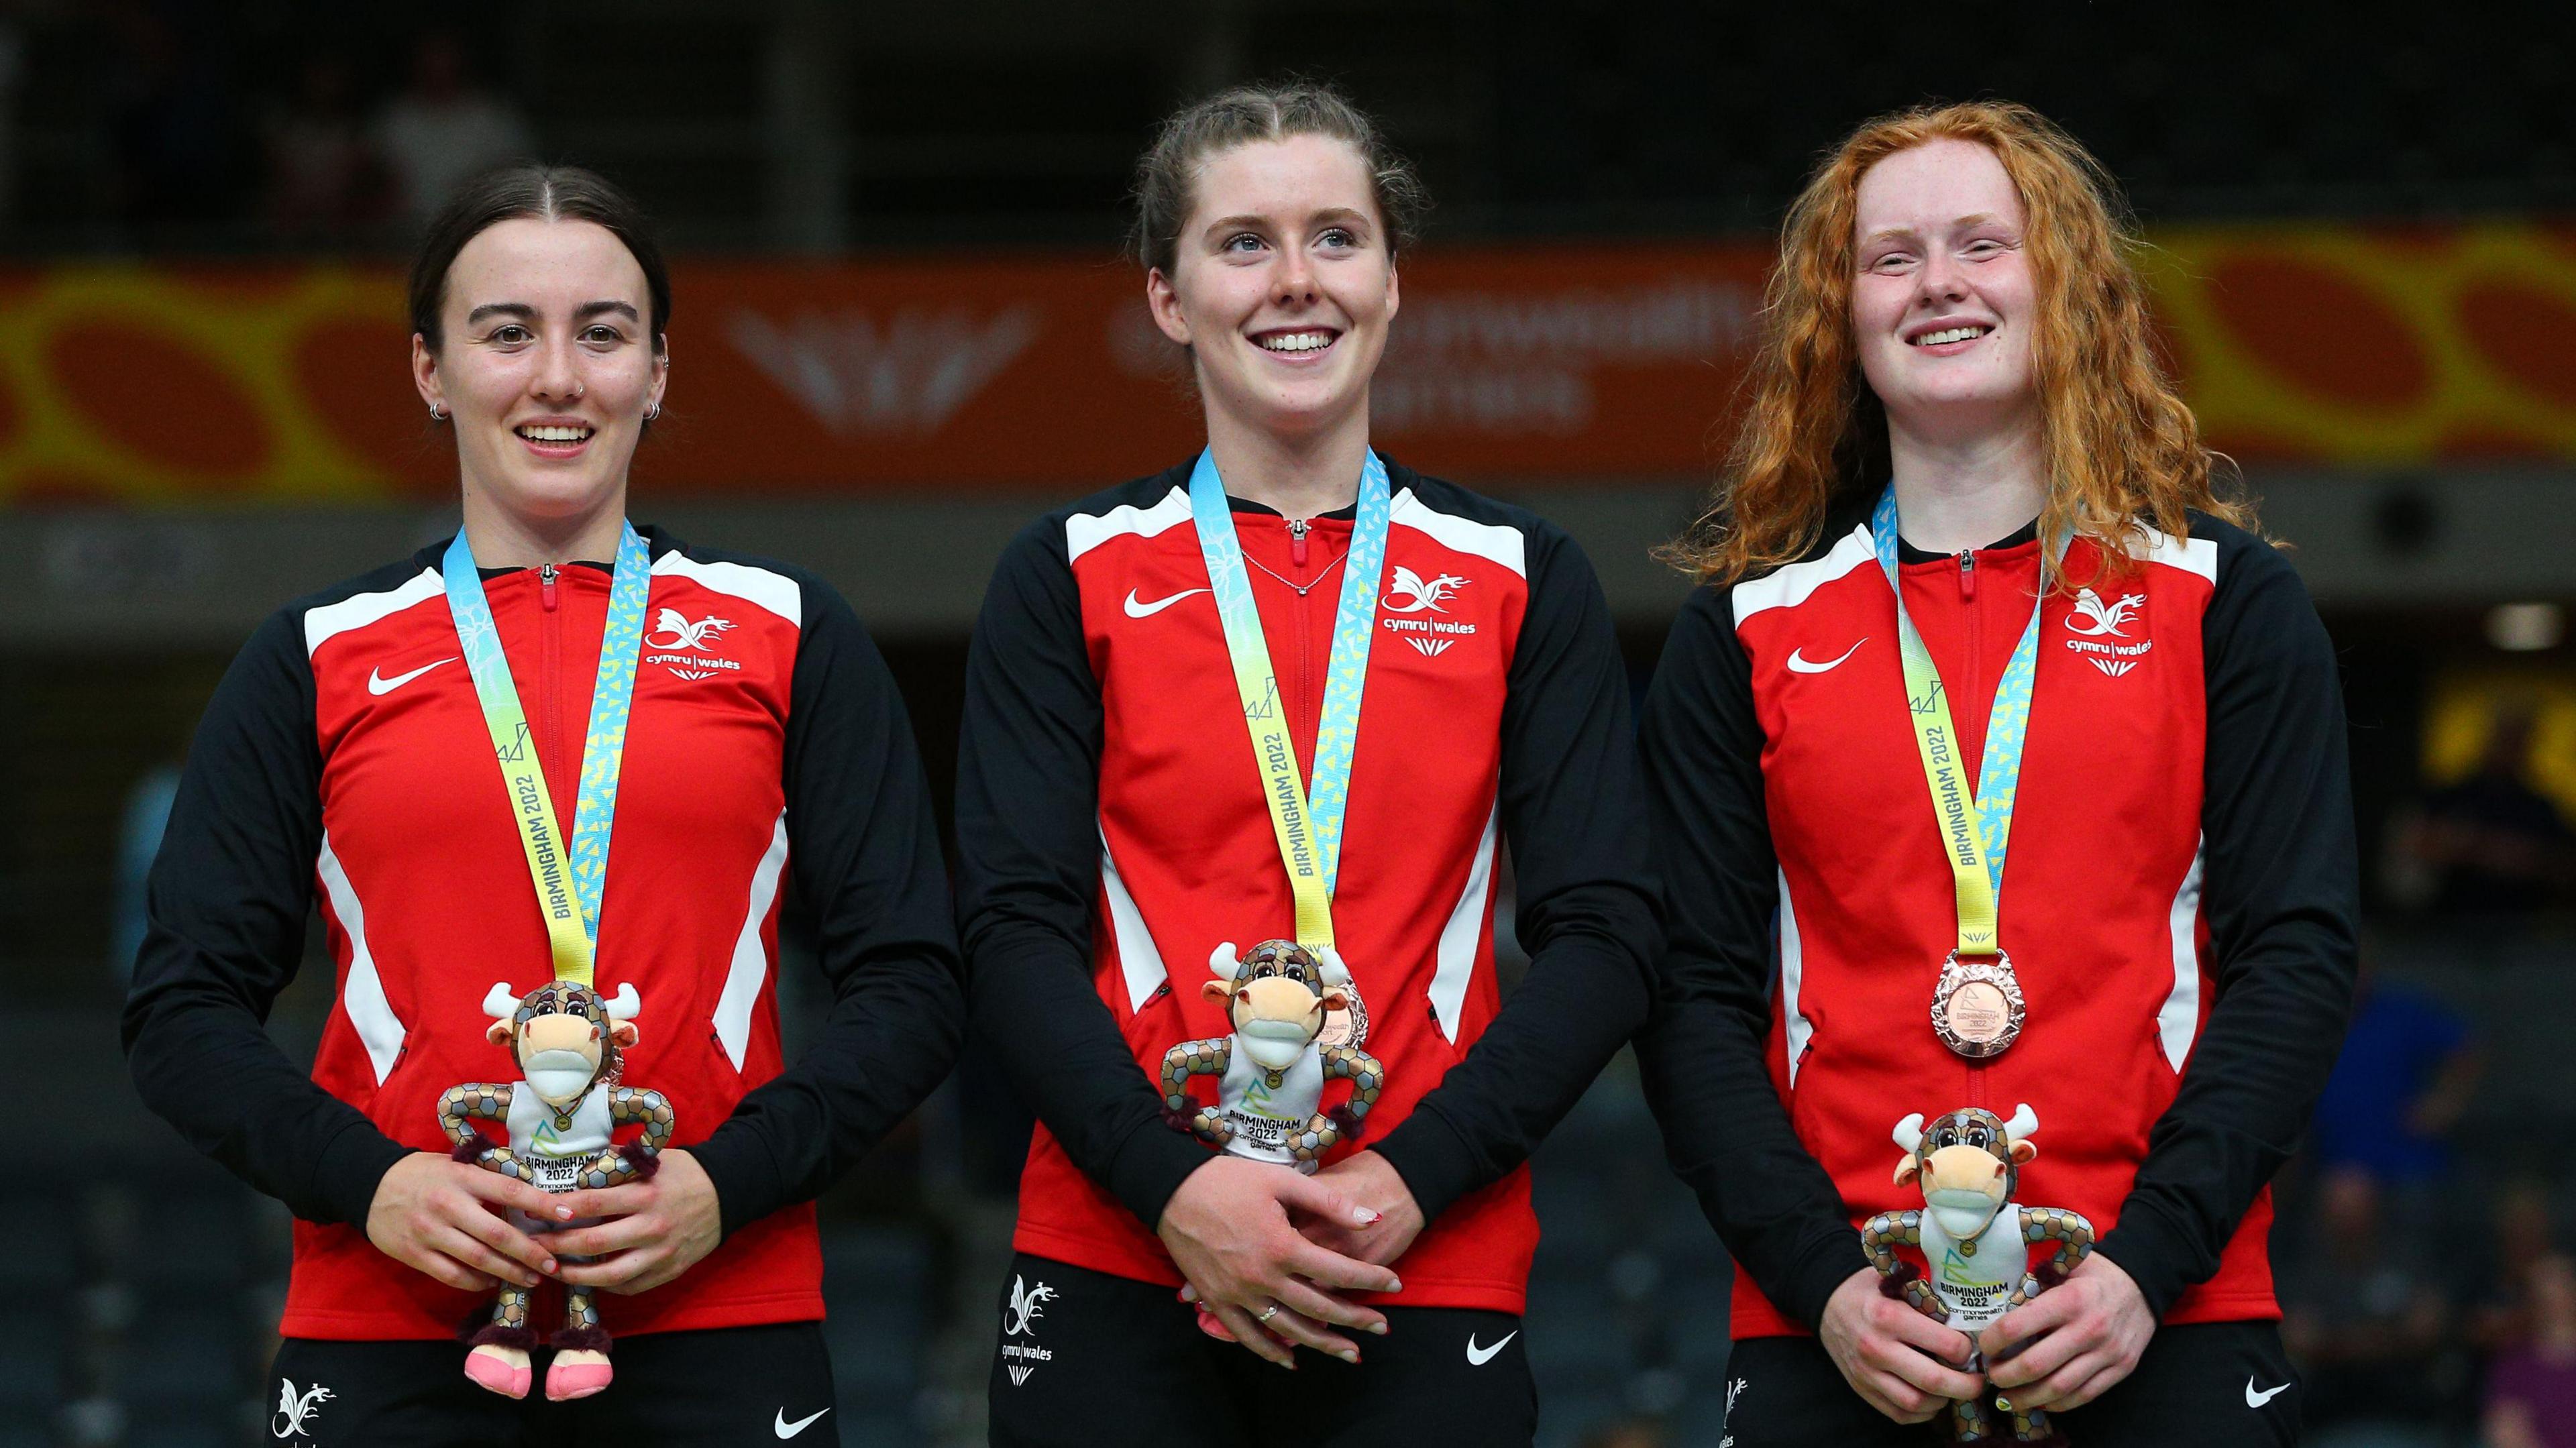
1301 590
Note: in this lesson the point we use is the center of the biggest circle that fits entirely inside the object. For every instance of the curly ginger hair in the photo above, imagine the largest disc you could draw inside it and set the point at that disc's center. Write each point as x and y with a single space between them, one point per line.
2122 450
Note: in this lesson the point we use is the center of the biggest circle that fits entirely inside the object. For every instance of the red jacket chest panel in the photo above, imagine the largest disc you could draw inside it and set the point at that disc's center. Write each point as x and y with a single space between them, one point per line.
1176 772
2106 818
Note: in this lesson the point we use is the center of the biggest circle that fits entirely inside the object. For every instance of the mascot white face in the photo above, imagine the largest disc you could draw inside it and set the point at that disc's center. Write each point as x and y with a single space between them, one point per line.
1969 1163
1276 997
564 1037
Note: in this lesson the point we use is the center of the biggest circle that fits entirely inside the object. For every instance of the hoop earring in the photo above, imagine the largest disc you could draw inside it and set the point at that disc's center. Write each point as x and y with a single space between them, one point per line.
653 413
437 413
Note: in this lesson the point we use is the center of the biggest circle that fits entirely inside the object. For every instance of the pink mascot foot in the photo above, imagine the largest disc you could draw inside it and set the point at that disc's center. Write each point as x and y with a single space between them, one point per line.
491 1368
577 1375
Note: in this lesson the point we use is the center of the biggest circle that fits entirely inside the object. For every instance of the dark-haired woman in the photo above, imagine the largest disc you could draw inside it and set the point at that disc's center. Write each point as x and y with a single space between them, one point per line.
734 722
1241 742
1999 767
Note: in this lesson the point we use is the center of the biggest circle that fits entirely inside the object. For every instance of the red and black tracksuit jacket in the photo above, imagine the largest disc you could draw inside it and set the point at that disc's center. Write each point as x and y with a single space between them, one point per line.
2178 901
1113 832
344 762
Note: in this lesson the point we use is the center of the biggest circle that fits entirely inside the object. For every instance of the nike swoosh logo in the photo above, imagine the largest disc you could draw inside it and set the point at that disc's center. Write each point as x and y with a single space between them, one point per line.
2254 1399
1148 610
1479 1356
790 1430
1798 664
378 684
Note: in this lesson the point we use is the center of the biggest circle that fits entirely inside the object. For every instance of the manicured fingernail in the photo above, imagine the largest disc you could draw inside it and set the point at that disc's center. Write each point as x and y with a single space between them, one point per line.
563 1214
1395 1286
550 1264
1378 1327
1349 1355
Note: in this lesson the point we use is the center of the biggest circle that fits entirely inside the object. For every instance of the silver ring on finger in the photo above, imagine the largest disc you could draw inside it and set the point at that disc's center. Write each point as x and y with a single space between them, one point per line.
1267 1313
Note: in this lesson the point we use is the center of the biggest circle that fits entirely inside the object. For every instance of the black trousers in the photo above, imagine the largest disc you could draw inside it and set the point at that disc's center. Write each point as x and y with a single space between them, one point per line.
2211 1385
713 1389
1089 1358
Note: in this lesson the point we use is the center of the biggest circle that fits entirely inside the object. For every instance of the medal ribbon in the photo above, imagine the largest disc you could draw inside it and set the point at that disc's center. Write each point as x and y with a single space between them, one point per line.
569 874
1308 823
1976 826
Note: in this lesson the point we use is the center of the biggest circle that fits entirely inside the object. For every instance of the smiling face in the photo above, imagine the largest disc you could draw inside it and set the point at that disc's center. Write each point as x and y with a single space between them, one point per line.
1967 1166
546 365
1943 305
1276 999
1282 284
564 1039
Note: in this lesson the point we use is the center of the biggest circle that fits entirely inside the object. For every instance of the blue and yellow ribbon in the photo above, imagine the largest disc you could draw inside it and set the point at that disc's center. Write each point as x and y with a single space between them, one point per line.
1976 825
1308 823
570 872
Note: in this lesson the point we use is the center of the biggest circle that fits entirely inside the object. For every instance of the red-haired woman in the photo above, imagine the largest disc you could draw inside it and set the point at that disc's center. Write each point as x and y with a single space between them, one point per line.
1967 592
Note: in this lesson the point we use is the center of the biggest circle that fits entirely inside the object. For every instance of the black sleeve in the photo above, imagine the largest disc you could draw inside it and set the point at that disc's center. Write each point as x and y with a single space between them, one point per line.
2281 881
1028 845
224 933
1725 1131
864 847
1573 812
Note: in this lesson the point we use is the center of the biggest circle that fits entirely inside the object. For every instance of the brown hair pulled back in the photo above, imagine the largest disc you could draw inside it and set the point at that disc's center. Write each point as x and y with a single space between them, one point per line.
1166 172
547 193
2122 450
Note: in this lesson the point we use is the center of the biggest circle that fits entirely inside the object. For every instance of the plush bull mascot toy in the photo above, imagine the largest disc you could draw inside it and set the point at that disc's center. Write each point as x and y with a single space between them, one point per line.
559 1114
1270 1102
1975 1240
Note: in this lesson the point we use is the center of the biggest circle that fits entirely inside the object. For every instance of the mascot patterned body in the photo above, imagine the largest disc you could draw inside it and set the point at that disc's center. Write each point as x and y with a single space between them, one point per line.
1270 1098
1975 1239
1271 1072
559 1116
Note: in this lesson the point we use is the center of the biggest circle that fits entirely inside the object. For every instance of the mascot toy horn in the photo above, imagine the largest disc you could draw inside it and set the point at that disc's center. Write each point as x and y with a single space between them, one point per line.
567 1043
1270 1103
1975 1240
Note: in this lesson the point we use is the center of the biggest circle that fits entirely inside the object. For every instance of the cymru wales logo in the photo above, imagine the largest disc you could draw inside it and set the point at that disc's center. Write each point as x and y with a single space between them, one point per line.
2093 618
293 1412
1418 593
684 634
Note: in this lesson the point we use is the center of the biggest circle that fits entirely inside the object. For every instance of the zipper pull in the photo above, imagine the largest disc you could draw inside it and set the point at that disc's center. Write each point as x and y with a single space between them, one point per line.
546 585
1967 575
1297 541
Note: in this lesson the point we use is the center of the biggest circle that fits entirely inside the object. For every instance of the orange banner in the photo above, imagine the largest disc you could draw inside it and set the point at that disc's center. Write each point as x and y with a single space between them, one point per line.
1559 363
2325 345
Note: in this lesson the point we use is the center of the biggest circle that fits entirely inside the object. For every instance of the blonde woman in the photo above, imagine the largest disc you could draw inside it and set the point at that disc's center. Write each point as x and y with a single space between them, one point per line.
1967 598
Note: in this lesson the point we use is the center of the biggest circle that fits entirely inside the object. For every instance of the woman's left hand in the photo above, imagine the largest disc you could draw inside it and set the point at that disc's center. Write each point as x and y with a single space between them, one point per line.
1370 1180
655 1231
2076 1341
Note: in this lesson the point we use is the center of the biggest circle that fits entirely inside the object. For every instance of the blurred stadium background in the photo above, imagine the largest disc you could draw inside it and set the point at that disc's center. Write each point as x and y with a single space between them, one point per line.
902 329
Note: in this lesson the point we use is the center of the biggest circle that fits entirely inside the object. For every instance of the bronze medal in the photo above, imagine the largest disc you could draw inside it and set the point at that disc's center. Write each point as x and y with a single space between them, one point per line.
1977 1009
1347 1027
